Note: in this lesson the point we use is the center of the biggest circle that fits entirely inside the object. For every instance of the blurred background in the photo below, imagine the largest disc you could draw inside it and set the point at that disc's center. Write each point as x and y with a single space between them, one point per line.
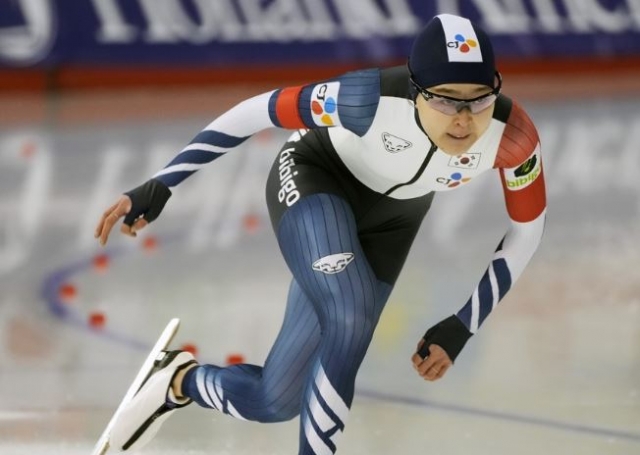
97 95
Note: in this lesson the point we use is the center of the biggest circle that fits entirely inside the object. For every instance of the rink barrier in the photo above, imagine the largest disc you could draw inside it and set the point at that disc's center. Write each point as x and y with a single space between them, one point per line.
74 77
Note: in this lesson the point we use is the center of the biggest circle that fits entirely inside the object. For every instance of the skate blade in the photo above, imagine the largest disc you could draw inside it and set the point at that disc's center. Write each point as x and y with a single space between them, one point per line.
102 446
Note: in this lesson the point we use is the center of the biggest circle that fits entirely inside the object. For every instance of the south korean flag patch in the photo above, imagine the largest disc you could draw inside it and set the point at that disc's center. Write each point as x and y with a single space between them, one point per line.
465 161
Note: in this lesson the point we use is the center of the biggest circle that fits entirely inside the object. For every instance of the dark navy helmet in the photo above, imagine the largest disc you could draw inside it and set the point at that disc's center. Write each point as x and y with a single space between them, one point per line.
451 49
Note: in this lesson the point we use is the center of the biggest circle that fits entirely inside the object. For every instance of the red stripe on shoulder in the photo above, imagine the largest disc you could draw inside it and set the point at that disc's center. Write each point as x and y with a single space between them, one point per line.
287 108
519 139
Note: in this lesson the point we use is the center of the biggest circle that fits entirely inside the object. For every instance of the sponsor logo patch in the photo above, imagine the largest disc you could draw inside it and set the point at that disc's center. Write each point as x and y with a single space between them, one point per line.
324 104
334 263
455 179
288 193
394 144
525 174
462 42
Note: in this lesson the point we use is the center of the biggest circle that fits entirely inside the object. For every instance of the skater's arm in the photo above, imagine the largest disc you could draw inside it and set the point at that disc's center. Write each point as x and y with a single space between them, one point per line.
349 101
521 173
522 177
445 340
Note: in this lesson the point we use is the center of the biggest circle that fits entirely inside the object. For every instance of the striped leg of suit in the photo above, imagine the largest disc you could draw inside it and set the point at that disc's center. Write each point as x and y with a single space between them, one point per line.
265 394
332 311
347 302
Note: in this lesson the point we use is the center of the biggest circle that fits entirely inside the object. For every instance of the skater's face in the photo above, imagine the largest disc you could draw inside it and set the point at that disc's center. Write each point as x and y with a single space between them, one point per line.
452 124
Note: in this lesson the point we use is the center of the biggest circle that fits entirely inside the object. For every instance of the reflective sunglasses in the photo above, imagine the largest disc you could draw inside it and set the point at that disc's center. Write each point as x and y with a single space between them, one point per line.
451 106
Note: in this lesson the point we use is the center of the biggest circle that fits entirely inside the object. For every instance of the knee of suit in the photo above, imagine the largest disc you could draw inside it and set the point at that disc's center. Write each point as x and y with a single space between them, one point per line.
357 322
280 410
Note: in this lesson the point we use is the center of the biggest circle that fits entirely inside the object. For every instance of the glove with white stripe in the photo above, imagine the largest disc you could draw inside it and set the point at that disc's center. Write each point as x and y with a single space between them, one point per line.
450 334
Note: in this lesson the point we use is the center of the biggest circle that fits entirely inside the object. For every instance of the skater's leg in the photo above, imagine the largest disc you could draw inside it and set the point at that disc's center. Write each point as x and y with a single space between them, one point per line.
333 307
319 240
348 304
272 393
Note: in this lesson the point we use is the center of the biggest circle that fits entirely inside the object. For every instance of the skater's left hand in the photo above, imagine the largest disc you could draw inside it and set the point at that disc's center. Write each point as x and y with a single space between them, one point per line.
435 365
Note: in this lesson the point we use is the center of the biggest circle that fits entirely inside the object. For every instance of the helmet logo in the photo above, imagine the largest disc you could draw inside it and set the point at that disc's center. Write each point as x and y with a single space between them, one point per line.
461 39
462 43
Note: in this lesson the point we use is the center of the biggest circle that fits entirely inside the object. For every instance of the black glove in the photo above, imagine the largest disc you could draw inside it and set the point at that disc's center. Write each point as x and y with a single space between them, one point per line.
147 200
450 334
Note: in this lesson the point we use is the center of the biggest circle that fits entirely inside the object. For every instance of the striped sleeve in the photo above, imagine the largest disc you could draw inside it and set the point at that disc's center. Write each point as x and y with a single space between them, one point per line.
522 178
349 101
223 134
508 263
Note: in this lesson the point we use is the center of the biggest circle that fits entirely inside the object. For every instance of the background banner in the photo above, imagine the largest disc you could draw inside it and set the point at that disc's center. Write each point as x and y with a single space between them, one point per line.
218 33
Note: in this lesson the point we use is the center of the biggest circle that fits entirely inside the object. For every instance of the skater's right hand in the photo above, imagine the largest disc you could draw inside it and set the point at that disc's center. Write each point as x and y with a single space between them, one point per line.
450 334
434 365
139 207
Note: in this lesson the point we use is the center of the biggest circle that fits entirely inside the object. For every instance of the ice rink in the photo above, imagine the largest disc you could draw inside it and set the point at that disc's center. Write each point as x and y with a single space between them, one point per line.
554 371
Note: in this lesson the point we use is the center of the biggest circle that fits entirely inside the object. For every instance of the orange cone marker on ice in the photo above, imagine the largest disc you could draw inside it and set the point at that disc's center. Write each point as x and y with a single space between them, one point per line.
97 319
234 359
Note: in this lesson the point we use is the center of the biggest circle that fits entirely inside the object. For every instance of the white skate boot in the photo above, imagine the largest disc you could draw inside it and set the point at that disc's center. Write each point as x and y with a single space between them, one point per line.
141 418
